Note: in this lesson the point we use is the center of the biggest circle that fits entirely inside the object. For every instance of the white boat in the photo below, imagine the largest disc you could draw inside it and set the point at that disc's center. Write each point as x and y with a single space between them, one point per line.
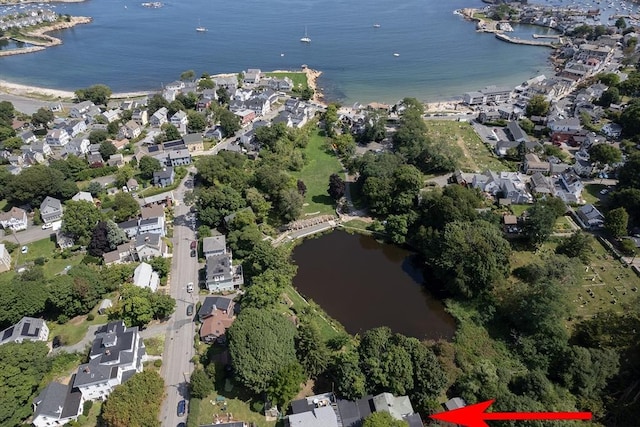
306 38
376 25
200 28
396 54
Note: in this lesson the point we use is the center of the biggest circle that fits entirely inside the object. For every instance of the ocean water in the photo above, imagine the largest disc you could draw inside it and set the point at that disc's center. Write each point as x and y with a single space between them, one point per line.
130 47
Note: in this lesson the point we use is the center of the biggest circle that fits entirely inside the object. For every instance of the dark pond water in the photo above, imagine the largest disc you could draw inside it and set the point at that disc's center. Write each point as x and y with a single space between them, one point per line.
364 284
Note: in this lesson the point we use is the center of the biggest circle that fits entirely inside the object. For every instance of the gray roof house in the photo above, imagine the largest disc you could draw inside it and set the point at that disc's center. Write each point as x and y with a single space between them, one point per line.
51 210
516 132
116 354
589 216
149 245
164 177
215 245
213 304
27 329
221 274
57 404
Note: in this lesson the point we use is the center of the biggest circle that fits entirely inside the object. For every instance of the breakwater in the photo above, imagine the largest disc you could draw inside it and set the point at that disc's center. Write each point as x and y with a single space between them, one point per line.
515 40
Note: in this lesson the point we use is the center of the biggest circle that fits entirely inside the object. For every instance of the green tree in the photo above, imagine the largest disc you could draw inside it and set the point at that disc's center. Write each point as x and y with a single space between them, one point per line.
206 83
621 23
135 403
35 183
200 384
123 175
538 106
115 235
538 224
608 79
156 102
629 173
12 144
7 113
337 186
350 381
261 344
217 202
630 117
139 306
578 245
79 220
628 198
286 384
197 122
171 133
311 349
383 419
125 207
107 149
330 120
98 136
229 122
605 154
98 94
187 76
610 96
259 205
161 265
290 204
616 222
42 117
148 165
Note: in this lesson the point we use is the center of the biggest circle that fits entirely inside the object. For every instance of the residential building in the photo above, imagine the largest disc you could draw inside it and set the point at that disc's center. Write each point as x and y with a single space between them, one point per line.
245 115
147 246
110 115
215 245
122 254
5 259
565 125
132 184
221 274
77 146
28 137
216 314
159 117
153 225
454 403
81 109
508 185
533 164
57 405
27 329
76 127
41 147
105 305
164 177
140 116
517 134
83 195
252 76
130 130
568 186
193 142
116 160
58 137
15 219
540 184
116 355
589 216
130 227
179 158
145 277
180 121
51 210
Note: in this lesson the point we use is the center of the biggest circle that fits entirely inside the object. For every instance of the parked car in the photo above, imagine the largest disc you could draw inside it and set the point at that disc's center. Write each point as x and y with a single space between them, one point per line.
47 226
194 244
193 253
190 287
182 408
24 250
190 310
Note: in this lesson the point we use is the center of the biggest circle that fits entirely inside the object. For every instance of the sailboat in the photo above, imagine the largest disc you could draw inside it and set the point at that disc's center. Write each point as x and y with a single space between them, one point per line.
306 38
200 28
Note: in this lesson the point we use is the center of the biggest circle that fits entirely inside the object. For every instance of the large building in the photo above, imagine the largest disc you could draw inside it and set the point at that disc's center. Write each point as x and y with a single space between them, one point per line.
5 259
115 356
58 404
27 329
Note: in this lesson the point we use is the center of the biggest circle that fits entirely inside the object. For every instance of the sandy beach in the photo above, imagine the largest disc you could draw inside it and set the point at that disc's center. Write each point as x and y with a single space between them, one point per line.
312 81
38 92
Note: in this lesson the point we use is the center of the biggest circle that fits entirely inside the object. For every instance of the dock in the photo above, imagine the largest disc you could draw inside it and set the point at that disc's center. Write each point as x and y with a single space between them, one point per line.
515 40
547 36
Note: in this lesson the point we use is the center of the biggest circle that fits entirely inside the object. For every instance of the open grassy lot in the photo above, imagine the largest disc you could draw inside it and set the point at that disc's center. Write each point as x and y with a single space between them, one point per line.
299 79
155 345
518 210
476 156
591 193
44 249
75 329
321 163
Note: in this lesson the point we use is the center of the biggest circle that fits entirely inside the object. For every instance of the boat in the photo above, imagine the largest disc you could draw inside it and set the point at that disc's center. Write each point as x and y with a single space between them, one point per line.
153 5
200 28
376 25
396 54
306 38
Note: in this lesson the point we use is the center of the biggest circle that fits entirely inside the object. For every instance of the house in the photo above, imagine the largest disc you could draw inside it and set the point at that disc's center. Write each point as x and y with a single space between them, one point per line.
565 125
77 146
147 246
119 143
27 137
540 184
63 240
589 216
180 121
58 137
215 245
454 403
130 130
5 259
145 277
159 117
193 142
568 187
120 255
83 195
27 329
105 304
221 275
110 115
612 130
116 354
57 404
15 219
132 185
130 227
153 225
41 147
164 177
517 134
216 314
582 167
76 127
246 116
81 109
140 116
506 185
252 76
116 160
179 158
533 164
51 210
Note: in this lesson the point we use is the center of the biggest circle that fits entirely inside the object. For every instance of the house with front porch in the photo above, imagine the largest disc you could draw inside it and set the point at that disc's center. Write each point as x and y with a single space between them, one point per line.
164 178
179 158
51 210
147 246
159 117
130 130
15 219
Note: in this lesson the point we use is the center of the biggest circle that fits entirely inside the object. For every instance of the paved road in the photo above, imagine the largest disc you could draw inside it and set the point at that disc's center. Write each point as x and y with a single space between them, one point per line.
32 234
27 105
178 352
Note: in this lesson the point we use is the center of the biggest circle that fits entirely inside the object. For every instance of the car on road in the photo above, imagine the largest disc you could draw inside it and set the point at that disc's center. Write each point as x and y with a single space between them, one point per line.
194 244
190 310
47 226
182 425
24 250
193 253
190 287
182 408
604 191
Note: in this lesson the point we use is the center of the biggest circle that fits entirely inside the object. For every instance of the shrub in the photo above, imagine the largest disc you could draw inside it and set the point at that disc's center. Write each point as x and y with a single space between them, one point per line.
10 246
62 319
90 317
40 260
157 363
87 407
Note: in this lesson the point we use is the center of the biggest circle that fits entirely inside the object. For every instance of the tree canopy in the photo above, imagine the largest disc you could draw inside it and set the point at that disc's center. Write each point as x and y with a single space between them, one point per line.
135 403
98 94
79 220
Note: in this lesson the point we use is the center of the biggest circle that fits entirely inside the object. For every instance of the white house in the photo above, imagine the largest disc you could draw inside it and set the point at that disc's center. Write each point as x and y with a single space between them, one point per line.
5 259
50 210
27 329
145 277
130 130
221 274
80 109
180 121
57 405
83 195
116 354
159 117
215 245
15 219
58 137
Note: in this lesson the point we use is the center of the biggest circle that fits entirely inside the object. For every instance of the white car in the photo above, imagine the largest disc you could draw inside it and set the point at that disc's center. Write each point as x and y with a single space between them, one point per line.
190 287
604 191
47 226
24 250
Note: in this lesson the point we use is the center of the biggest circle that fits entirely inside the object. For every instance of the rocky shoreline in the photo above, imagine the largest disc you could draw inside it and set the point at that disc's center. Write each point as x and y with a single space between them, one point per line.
40 40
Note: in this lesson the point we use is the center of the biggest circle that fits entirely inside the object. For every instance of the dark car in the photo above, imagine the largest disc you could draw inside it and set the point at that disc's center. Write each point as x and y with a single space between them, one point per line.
182 425
190 310
182 408
57 342
193 253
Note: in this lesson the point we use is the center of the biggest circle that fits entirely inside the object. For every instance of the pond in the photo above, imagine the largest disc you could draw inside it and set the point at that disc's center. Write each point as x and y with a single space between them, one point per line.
364 284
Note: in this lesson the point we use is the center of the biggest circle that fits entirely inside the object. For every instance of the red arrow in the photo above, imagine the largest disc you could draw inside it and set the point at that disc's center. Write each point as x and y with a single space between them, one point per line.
475 415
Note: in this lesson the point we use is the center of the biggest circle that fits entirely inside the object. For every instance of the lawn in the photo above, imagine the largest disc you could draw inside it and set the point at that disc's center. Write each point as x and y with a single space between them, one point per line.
44 248
315 174
155 345
591 193
518 210
476 157
75 329
299 79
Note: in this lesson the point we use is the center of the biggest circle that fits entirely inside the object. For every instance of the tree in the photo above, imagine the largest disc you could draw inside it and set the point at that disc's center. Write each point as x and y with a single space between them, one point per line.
94 188
538 224
125 207
538 106
200 384
35 183
187 76
608 79
330 119
107 149
7 113
171 133
229 122
290 204
259 205
302 188
630 117
139 306
79 220
98 94
286 384
136 402
161 265
578 245
98 136
12 144
223 96
156 102
215 203
115 235
629 173
383 419
350 381
628 198
605 154
312 352
337 186
123 175
42 117
261 344
616 222
206 83
621 23
610 96
470 257
148 165
99 243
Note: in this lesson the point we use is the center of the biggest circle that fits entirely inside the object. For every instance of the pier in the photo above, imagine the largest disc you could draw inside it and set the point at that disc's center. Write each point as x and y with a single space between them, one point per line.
547 36
515 40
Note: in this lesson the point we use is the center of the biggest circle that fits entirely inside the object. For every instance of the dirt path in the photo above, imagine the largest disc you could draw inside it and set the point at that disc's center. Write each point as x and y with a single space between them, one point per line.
467 154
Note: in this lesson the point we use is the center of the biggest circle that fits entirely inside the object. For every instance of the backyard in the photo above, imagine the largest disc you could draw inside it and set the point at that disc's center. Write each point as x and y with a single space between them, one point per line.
320 165
476 156
299 79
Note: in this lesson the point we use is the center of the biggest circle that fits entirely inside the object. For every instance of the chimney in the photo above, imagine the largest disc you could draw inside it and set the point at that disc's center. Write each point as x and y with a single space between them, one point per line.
86 370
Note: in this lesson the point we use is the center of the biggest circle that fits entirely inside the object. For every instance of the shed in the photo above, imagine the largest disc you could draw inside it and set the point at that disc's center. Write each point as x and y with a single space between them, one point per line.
104 305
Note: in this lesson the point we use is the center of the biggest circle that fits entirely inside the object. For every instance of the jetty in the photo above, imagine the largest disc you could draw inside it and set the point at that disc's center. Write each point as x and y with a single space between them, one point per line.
516 40
547 36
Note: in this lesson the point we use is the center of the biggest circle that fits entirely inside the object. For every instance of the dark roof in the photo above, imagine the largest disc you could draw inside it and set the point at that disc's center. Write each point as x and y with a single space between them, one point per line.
352 413
516 131
128 224
58 396
220 303
414 420
153 148
152 239
163 174
192 138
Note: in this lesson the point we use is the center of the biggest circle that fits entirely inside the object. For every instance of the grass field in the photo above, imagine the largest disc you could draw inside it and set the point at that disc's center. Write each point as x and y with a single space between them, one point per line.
476 156
299 79
591 193
44 248
315 174
75 329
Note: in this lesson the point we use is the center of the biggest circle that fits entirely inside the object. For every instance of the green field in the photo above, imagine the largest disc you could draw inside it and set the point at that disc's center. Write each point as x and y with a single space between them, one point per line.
321 163
476 157
45 249
299 79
